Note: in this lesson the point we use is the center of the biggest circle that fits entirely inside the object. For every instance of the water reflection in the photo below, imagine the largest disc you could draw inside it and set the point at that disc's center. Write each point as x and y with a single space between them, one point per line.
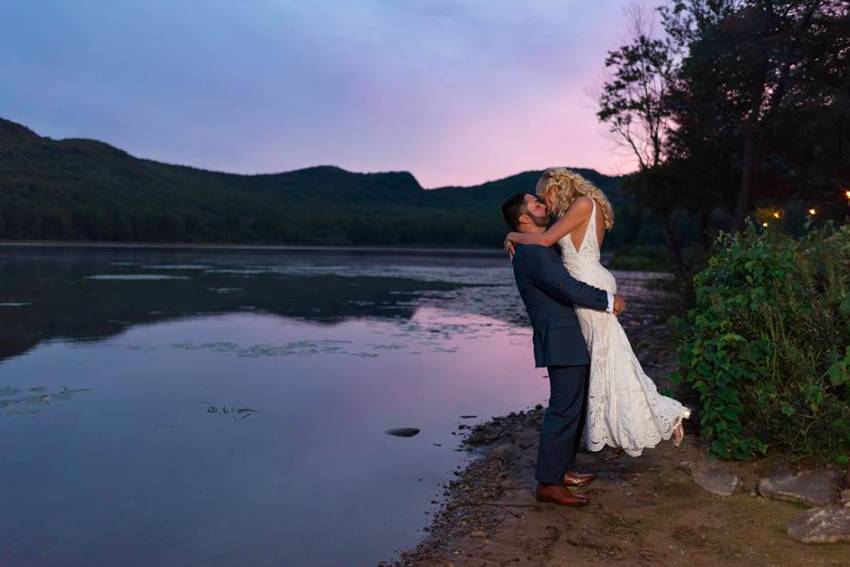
238 415
88 295
139 471
222 408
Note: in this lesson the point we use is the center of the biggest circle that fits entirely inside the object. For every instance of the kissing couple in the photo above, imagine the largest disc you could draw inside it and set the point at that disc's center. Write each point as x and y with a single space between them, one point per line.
598 390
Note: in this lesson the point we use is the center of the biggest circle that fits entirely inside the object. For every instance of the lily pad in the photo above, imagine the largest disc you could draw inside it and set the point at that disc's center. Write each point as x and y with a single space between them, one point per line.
8 390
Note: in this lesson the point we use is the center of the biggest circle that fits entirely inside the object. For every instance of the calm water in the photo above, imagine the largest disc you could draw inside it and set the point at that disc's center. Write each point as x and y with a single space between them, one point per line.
229 408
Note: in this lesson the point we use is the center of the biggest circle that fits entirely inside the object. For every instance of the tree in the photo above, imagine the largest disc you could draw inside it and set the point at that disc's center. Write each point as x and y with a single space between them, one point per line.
635 104
740 103
750 69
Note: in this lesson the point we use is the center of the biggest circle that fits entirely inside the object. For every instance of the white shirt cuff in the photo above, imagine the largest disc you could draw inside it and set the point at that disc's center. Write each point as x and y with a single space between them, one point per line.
610 302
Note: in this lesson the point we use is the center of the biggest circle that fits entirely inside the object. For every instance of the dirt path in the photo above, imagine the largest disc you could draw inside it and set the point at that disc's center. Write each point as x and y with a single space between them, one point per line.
644 511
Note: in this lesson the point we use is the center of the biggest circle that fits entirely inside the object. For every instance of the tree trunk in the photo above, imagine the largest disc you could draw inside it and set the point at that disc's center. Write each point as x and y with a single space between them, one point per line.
673 247
756 123
702 221
742 206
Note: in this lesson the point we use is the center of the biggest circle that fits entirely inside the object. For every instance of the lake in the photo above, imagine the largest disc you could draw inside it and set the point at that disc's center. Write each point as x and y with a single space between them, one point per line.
167 406
183 407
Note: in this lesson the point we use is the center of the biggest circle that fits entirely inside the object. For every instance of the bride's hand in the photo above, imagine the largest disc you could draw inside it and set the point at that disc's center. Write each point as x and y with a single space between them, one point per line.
619 304
510 248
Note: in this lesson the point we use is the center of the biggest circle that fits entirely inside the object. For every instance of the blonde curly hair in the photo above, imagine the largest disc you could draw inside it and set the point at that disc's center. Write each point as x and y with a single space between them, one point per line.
560 187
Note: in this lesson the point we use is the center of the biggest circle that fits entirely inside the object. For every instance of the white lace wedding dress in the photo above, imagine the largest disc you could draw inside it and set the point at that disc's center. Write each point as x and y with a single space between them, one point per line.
624 408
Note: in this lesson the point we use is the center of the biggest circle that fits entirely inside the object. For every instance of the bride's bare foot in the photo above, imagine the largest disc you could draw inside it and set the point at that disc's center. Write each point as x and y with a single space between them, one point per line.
678 435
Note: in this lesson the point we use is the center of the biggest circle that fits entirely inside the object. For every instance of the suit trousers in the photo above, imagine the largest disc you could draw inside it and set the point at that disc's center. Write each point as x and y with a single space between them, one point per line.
563 422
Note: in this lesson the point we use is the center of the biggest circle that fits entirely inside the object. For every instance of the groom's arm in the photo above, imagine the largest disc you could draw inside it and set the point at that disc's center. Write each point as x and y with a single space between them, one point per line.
545 270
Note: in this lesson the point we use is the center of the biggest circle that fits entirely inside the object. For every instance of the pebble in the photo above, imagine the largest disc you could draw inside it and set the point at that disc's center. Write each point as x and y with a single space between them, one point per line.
505 452
527 439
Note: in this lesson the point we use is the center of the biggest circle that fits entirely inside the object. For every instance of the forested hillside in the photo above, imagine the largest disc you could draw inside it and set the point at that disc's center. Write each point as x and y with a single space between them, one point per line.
77 189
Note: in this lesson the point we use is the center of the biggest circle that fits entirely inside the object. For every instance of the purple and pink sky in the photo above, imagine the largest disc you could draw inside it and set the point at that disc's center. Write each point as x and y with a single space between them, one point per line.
456 92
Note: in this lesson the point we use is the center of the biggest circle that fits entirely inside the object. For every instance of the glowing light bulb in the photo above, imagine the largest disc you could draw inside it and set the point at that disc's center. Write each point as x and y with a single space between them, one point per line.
764 224
847 194
776 214
812 212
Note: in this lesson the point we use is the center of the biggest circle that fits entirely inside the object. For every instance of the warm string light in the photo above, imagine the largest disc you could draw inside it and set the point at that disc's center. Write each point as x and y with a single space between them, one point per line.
812 212
776 214
764 224
847 194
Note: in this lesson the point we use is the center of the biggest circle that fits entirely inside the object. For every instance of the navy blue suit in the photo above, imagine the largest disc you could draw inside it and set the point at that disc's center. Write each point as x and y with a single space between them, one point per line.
550 294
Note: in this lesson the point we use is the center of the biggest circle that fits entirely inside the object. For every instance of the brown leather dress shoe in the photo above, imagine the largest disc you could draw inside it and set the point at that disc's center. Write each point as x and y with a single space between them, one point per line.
578 479
560 495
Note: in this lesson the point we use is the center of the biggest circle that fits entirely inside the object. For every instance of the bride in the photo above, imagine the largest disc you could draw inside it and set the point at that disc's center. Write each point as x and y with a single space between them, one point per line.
624 408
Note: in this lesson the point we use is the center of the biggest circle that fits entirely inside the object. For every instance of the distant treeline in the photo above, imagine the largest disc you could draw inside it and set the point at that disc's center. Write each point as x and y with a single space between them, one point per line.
86 190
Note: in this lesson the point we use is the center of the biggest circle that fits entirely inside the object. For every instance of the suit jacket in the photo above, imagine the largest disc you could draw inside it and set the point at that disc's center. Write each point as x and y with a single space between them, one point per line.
550 293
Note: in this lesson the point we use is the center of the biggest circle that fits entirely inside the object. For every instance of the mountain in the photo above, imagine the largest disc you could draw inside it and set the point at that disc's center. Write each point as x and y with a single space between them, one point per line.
77 189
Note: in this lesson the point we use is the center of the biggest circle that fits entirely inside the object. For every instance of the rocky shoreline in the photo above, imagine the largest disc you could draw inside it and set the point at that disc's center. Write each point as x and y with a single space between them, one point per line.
669 505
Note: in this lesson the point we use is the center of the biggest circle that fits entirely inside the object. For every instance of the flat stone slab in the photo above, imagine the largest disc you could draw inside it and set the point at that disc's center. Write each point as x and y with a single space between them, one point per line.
712 477
821 525
815 488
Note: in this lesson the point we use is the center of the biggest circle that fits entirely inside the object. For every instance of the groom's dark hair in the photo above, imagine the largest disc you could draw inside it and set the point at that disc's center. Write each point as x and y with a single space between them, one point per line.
513 208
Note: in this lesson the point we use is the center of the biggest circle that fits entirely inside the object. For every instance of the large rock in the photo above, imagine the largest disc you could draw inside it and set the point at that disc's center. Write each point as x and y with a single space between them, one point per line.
815 488
821 525
712 477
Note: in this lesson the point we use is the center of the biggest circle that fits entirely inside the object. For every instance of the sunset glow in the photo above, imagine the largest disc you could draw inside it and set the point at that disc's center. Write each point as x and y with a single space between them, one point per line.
456 93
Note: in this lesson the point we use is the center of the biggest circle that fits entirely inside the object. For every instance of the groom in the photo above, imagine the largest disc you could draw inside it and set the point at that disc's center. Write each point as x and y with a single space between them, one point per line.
549 294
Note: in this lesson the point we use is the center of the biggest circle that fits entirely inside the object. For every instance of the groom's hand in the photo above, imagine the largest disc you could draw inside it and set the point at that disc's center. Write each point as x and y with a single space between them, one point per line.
619 304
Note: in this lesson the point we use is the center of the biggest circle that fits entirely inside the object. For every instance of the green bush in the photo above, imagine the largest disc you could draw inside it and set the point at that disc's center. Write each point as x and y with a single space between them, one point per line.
767 346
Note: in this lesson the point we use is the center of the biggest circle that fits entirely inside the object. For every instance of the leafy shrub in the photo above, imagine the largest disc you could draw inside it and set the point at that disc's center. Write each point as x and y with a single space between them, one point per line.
767 346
